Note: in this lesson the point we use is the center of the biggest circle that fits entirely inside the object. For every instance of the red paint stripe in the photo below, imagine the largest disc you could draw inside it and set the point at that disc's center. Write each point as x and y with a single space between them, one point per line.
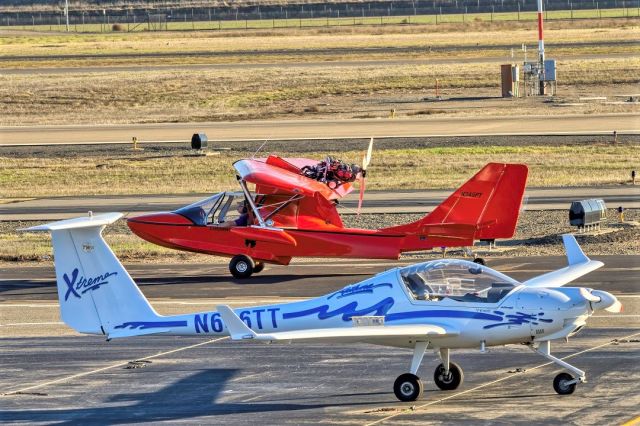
540 26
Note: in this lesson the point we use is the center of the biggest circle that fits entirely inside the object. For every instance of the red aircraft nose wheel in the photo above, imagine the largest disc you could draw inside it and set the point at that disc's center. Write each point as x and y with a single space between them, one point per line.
241 266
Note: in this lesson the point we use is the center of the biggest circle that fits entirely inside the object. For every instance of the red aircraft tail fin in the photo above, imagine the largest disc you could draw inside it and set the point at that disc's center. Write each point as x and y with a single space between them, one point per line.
487 206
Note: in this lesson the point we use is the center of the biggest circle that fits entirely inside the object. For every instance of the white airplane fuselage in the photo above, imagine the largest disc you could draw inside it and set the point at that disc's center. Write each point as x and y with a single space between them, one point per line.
522 316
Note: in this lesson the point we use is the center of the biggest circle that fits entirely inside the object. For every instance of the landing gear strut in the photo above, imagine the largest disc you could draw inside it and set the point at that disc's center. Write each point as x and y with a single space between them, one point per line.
408 387
448 375
563 383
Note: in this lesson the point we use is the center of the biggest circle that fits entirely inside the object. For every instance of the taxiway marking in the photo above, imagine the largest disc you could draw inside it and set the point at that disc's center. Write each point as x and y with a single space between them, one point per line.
120 364
484 385
30 323
632 422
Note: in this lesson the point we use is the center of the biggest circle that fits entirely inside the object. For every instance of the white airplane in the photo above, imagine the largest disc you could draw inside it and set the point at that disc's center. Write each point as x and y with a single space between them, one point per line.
437 305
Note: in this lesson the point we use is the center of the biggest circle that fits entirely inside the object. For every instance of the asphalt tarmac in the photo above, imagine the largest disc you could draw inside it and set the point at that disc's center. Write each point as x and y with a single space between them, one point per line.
52 375
590 124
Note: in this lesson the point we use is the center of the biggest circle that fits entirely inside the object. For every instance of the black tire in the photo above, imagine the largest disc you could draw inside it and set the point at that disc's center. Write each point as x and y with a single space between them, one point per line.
241 266
560 386
258 267
408 387
479 261
450 382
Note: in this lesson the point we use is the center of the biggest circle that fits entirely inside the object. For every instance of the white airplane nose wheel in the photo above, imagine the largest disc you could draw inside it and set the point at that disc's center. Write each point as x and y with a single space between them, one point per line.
449 381
408 387
564 384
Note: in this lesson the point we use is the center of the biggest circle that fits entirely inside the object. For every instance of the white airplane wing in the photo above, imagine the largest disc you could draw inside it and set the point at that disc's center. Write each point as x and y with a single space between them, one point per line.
238 330
578 265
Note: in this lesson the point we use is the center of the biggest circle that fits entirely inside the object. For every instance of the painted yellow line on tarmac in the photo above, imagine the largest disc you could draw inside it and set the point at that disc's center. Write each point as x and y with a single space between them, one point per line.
407 411
120 364
632 422
30 323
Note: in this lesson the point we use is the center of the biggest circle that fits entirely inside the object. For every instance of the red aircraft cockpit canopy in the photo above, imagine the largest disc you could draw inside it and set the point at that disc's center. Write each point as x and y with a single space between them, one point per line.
276 175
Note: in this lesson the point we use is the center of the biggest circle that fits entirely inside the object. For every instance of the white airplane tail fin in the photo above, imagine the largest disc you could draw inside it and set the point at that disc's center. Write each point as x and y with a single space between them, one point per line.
96 293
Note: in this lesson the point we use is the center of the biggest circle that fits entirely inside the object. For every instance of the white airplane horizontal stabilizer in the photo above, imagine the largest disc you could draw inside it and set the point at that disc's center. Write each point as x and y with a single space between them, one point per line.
96 293
578 265
238 330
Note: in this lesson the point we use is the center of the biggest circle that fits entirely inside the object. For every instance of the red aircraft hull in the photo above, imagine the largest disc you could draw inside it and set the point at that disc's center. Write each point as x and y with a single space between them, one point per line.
485 207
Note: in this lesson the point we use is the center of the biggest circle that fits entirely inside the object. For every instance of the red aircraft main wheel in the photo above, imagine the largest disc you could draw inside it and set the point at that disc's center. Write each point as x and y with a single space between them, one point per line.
258 268
241 266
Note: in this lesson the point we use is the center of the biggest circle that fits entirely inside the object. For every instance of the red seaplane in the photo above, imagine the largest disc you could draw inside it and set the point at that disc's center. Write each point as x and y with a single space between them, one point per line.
292 213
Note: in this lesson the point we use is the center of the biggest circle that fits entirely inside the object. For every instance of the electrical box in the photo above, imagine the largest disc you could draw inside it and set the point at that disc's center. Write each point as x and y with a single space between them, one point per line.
515 73
587 213
509 78
550 70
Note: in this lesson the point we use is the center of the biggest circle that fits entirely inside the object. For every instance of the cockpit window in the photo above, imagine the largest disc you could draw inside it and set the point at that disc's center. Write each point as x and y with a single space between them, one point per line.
212 210
457 280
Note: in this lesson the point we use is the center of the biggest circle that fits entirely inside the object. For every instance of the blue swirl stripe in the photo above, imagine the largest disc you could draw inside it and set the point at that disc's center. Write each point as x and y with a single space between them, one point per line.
347 311
441 313
143 325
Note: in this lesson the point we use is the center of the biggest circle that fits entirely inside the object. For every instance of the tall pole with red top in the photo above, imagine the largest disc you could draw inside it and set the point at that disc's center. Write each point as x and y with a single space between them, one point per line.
540 47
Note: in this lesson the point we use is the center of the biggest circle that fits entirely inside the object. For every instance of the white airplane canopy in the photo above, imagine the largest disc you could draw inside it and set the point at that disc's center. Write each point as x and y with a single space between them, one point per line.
457 279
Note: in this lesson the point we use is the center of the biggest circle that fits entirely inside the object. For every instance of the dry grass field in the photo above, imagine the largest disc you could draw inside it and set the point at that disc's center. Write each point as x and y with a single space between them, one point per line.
423 168
231 94
596 58
301 40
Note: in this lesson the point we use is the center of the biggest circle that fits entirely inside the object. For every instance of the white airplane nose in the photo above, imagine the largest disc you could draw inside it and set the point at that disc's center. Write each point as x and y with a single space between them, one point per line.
602 300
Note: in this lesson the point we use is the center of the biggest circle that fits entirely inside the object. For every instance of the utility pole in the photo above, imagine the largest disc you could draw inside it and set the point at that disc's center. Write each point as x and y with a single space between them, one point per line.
540 47
66 12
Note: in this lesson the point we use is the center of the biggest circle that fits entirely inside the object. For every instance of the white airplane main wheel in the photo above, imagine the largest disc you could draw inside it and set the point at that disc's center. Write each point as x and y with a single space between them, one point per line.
241 266
408 387
258 268
560 384
449 381
479 261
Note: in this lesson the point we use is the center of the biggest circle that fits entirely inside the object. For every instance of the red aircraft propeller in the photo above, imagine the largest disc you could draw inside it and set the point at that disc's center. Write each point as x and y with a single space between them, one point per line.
366 159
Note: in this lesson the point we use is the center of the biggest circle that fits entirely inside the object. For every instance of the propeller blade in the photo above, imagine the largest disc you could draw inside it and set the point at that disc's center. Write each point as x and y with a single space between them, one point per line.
588 296
367 157
616 308
606 301
362 179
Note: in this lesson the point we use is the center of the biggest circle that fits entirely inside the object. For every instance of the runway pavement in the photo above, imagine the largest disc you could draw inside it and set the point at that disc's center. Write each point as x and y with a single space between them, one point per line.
376 202
324 129
69 378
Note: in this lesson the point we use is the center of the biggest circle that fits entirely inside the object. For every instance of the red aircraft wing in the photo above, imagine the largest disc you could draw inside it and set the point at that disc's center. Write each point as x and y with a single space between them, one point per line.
282 175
